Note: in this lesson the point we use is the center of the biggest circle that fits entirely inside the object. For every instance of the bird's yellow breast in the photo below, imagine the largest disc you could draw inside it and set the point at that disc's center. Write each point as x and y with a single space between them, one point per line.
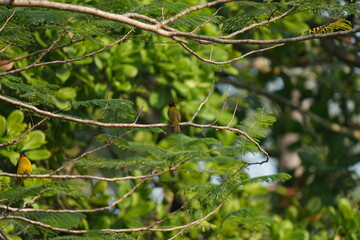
174 115
24 166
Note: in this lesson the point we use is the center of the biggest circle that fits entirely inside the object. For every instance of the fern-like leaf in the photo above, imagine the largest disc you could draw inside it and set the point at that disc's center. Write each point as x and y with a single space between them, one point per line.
278 177
61 220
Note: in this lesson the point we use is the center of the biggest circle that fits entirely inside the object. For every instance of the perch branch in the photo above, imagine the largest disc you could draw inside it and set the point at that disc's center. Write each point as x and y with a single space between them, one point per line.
131 125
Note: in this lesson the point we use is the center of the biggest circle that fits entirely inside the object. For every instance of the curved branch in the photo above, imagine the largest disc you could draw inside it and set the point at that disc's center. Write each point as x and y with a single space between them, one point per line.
40 51
161 29
113 179
231 60
68 60
87 10
233 130
129 125
37 223
263 42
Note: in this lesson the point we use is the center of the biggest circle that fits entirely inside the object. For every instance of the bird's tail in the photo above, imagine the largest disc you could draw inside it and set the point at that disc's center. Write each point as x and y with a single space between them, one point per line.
18 182
177 128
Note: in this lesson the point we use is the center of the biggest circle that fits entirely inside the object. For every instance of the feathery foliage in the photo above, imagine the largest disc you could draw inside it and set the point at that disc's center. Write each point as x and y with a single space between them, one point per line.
98 235
61 220
15 195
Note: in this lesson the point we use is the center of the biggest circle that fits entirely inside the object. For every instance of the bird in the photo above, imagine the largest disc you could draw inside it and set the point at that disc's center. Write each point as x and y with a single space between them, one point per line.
23 166
174 116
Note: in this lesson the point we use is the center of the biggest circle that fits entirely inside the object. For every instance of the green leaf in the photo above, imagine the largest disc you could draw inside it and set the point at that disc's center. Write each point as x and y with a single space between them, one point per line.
13 156
345 208
15 122
129 70
61 220
2 126
63 73
33 140
66 93
36 155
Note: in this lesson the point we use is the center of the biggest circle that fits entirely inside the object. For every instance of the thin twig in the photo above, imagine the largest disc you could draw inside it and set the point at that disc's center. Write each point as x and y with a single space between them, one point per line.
3 236
178 234
31 201
7 20
207 21
203 103
85 154
233 115
224 104
3 50
21 137
231 60
259 24
105 107
139 113
68 60
49 48
40 51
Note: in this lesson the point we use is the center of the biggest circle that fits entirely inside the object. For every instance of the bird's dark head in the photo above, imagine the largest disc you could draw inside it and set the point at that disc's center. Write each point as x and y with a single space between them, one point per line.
22 153
171 104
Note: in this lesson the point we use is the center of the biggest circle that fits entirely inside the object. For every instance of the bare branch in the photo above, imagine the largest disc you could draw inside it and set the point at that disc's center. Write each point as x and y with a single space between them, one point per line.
81 121
264 42
130 125
161 29
231 60
37 223
88 10
113 179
